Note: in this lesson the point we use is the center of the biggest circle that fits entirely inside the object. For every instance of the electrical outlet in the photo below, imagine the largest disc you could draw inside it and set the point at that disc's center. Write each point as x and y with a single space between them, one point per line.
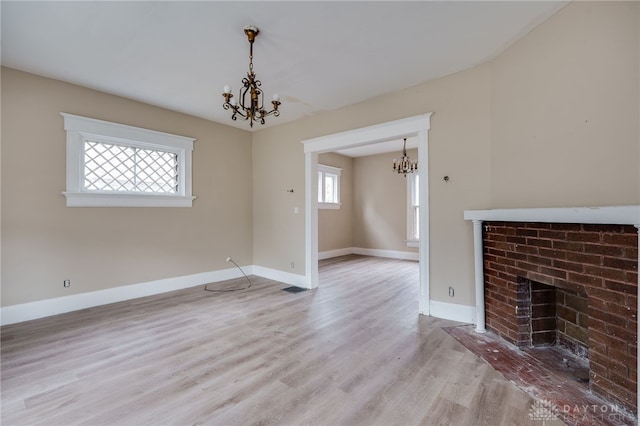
67 283
293 265
451 292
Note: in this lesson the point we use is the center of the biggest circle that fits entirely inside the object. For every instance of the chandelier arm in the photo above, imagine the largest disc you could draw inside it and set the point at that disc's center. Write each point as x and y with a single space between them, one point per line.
257 99
261 100
246 85
236 111
273 112
243 96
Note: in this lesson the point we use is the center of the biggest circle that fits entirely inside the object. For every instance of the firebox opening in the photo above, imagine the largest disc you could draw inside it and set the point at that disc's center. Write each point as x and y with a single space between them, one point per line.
557 316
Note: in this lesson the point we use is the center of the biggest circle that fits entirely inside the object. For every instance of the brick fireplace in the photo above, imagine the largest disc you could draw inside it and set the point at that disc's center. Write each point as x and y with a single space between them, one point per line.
573 285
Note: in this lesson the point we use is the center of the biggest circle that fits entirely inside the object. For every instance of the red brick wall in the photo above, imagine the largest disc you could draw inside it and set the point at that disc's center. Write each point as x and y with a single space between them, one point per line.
572 311
544 322
600 261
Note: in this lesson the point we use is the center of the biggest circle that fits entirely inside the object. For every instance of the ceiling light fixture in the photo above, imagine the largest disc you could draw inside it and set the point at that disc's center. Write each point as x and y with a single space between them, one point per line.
251 109
405 165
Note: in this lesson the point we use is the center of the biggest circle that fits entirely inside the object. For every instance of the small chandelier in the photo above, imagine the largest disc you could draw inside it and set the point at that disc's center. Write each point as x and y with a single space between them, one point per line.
251 107
405 165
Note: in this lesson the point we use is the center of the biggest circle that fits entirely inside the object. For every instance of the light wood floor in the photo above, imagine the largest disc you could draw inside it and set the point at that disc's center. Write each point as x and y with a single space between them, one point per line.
352 352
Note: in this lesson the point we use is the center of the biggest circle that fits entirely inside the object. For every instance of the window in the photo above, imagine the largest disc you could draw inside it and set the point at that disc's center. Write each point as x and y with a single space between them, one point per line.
413 210
113 165
328 187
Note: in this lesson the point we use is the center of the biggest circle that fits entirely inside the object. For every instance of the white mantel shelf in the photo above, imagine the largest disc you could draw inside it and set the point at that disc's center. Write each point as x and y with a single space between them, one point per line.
612 215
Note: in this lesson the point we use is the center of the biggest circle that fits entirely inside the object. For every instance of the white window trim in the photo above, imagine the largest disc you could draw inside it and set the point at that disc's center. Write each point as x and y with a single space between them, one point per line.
329 206
80 128
411 240
335 171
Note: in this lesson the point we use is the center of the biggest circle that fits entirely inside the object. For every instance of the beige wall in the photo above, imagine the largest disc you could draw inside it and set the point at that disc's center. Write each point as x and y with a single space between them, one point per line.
335 227
380 198
278 165
564 111
44 242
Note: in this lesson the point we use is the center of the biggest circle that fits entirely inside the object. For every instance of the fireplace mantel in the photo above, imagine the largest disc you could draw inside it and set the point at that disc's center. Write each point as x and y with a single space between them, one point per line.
606 215
618 215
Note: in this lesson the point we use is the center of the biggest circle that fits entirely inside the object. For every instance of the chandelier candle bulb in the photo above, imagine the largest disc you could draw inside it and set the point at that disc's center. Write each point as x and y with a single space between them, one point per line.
276 97
227 89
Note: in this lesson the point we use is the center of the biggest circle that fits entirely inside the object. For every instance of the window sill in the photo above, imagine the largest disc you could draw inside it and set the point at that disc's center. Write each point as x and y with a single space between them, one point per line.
85 199
329 206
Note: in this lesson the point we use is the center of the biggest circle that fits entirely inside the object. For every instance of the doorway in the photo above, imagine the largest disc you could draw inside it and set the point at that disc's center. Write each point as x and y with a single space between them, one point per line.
418 127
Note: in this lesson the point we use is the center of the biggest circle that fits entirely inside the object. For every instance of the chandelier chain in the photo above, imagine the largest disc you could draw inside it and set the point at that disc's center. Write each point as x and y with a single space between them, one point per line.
251 56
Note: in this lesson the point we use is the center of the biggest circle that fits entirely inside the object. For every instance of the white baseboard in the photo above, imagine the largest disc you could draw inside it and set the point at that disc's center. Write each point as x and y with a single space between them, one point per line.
334 253
284 277
452 311
393 254
59 305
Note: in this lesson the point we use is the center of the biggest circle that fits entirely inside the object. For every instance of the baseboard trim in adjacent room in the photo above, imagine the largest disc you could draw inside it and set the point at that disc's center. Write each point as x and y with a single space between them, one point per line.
453 311
335 253
59 305
393 254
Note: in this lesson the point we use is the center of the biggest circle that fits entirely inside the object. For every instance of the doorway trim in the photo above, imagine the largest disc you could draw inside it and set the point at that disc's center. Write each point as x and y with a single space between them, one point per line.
417 126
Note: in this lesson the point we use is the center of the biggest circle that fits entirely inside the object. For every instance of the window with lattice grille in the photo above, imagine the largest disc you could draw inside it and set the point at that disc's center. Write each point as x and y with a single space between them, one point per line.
110 164
110 167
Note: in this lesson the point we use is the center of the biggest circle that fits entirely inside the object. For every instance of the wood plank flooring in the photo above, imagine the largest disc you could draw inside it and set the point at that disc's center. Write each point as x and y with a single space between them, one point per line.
352 352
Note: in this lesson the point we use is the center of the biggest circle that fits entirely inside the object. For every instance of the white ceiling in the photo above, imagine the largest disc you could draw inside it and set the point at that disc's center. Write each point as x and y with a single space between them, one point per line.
318 55
380 148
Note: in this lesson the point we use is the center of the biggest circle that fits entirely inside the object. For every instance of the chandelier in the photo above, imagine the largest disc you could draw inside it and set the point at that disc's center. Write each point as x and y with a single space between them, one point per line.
405 165
251 98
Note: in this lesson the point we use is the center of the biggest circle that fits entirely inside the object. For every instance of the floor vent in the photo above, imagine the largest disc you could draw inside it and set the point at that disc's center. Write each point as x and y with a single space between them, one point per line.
294 289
